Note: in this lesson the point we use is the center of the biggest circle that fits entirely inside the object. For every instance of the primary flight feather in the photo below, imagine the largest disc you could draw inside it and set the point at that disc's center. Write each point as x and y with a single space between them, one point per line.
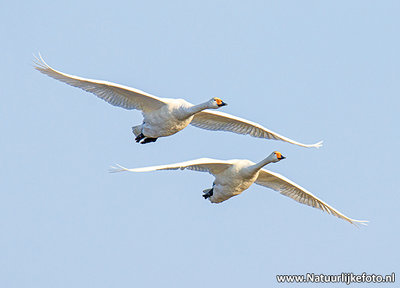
163 116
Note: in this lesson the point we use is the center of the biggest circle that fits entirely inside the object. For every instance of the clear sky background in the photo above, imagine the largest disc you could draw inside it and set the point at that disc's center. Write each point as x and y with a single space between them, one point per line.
310 70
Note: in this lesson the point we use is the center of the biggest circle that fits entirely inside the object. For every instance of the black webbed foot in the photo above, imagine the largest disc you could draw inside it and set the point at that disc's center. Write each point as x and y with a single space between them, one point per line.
148 140
139 137
208 194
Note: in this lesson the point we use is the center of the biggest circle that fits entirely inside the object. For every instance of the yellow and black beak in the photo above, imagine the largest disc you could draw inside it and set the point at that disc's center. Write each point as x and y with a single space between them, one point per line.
222 104
279 155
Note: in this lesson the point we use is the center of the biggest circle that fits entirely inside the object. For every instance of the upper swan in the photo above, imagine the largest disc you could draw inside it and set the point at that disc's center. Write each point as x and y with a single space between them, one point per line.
163 116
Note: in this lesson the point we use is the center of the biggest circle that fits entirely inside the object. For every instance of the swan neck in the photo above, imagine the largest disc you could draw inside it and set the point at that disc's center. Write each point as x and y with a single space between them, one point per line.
256 167
198 108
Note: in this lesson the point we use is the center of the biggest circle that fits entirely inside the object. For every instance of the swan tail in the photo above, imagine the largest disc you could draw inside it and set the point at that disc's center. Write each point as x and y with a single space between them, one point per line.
137 130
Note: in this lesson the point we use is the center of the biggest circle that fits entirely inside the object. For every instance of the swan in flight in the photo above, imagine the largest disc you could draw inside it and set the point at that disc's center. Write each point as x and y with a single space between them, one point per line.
232 177
162 116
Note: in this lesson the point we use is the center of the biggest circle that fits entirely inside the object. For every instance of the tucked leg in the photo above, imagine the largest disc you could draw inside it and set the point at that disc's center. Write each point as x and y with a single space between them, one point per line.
148 140
139 137
209 193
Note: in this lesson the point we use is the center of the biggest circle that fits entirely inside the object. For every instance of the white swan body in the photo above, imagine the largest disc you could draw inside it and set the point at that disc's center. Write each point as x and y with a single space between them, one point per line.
162 116
232 177
168 120
232 181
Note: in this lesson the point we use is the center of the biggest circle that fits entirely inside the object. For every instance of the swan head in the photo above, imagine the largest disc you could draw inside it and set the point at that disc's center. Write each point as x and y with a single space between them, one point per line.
216 103
277 156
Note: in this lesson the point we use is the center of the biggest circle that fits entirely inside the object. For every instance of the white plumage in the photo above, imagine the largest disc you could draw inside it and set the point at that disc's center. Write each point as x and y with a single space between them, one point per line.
232 177
163 116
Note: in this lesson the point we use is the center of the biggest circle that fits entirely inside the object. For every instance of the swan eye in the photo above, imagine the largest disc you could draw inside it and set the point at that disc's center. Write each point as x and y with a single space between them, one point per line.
219 101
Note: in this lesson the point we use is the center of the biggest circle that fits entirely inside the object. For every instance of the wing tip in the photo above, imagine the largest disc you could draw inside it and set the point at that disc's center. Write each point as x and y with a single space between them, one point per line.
358 223
39 63
317 145
117 168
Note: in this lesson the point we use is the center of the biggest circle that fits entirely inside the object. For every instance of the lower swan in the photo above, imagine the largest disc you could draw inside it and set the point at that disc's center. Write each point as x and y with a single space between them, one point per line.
232 177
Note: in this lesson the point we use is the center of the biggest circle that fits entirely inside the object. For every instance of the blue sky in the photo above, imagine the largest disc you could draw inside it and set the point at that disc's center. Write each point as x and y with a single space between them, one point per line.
310 70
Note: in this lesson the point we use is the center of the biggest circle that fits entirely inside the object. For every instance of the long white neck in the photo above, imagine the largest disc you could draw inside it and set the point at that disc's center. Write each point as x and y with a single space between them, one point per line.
254 168
198 108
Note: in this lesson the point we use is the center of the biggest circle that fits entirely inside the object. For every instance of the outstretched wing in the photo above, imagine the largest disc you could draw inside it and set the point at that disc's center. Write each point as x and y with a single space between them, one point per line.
211 166
288 188
215 120
115 94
